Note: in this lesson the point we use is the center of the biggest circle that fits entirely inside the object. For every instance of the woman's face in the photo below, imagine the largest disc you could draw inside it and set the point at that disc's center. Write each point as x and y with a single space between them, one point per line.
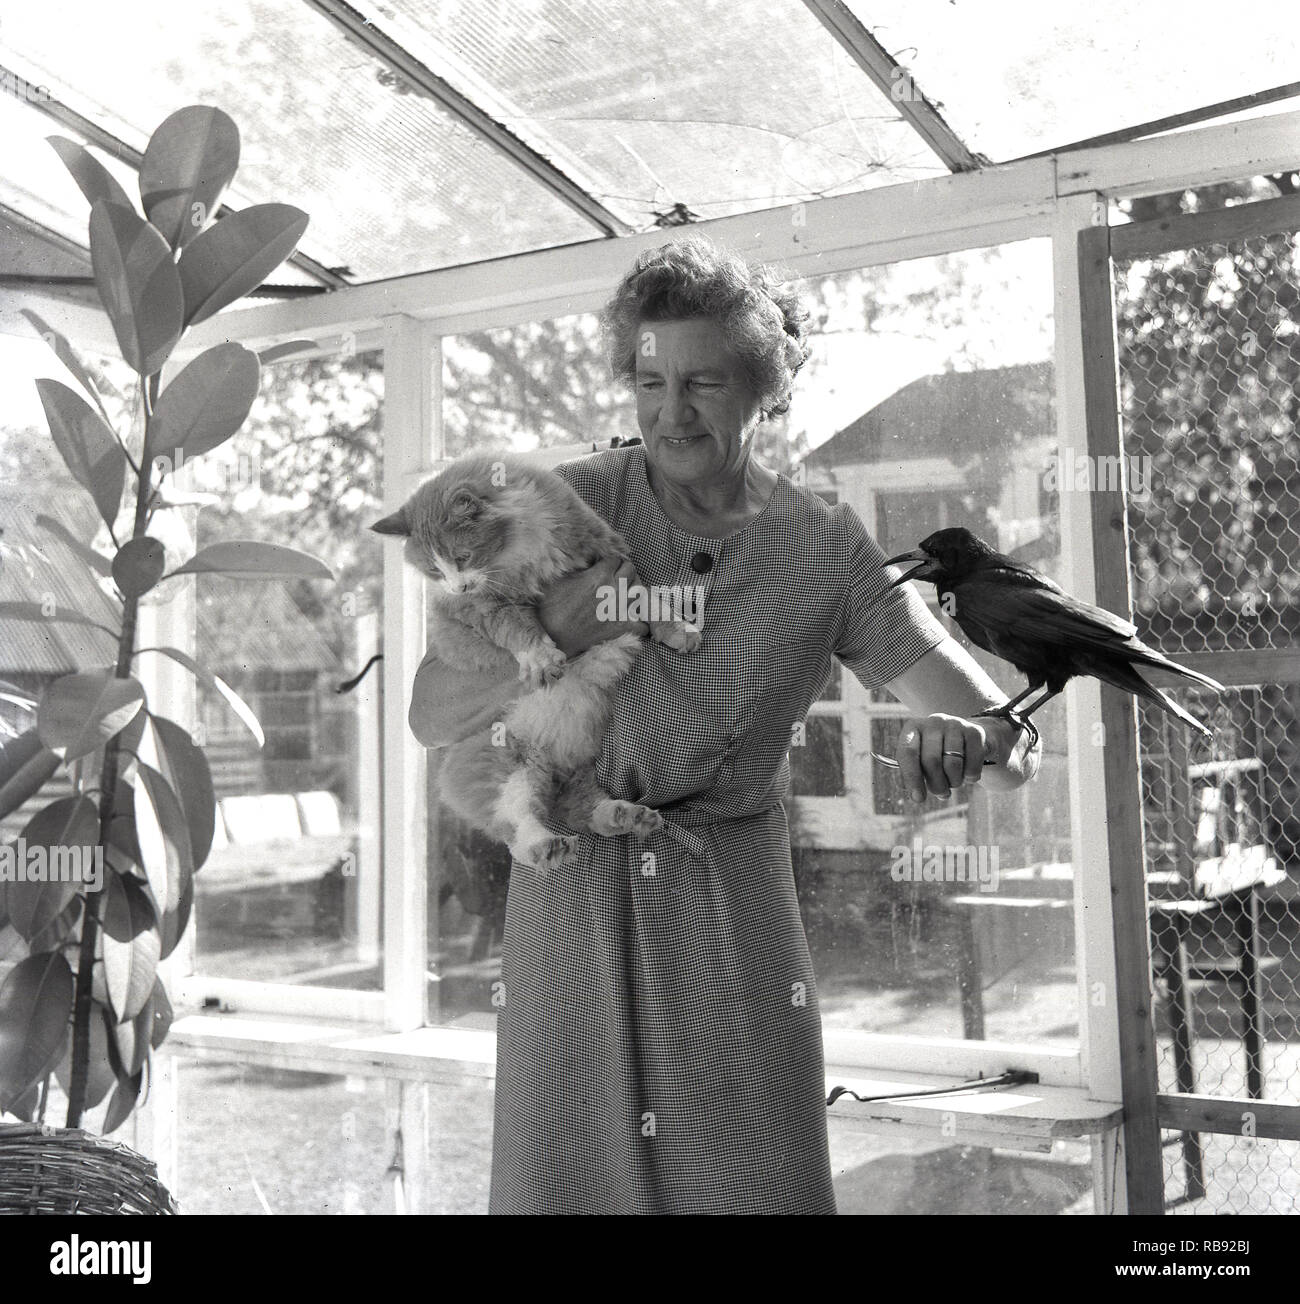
695 408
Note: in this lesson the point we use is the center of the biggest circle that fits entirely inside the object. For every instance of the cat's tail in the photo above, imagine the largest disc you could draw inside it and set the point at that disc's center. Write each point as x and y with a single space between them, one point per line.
349 684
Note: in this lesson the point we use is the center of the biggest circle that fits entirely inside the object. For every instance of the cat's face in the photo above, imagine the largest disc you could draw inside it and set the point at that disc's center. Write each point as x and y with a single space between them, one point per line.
452 534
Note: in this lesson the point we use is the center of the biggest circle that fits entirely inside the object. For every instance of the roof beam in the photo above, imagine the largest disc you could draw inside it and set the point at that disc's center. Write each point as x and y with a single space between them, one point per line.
119 149
1228 151
1177 120
913 220
966 210
425 81
889 75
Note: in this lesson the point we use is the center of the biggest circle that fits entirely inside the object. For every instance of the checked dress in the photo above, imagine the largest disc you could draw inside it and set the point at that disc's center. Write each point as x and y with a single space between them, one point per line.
659 1047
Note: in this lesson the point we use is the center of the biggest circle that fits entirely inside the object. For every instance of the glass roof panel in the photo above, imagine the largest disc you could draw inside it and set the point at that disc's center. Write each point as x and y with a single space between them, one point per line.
392 182
725 106
35 183
1015 77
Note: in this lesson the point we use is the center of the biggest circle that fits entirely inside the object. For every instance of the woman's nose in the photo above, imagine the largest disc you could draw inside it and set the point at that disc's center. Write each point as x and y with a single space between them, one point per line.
676 409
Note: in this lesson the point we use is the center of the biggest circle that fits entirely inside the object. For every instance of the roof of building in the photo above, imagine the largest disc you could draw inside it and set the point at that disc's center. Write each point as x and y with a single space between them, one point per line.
924 419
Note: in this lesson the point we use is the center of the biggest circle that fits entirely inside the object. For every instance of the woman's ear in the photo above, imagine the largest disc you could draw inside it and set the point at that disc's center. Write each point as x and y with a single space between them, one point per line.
394 524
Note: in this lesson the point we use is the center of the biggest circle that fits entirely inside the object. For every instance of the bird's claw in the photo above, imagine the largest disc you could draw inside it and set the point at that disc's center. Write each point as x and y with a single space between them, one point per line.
1018 722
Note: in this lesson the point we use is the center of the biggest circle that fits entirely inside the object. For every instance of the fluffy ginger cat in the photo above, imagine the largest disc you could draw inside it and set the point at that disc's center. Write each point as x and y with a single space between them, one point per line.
494 532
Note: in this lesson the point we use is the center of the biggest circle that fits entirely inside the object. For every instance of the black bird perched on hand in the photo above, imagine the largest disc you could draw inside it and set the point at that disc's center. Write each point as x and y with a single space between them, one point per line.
1018 614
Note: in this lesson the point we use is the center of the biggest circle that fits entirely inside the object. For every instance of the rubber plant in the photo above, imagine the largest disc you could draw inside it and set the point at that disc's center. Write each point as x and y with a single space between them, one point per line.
86 1001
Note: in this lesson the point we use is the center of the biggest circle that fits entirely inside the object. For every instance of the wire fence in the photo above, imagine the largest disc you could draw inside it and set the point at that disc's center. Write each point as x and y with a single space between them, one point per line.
1209 358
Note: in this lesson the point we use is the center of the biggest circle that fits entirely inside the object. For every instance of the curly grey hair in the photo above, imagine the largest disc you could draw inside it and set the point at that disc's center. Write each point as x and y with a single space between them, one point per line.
763 318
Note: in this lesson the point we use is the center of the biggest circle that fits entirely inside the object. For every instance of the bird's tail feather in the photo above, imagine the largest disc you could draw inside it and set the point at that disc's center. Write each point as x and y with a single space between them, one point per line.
1150 657
1125 676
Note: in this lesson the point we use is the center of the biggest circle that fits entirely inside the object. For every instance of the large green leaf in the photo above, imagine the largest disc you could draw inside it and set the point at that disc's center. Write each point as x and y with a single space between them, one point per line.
162 1016
123 851
139 565
79 713
186 770
187 166
25 764
130 946
204 405
166 851
95 181
71 823
35 1007
94 559
65 354
26 1106
129 1040
217 685
236 255
138 284
85 442
250 559
177 917
65 927
125 1094
34 613
99 1067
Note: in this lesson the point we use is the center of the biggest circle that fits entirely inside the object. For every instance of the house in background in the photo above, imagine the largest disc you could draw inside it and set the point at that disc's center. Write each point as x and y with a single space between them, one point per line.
958 448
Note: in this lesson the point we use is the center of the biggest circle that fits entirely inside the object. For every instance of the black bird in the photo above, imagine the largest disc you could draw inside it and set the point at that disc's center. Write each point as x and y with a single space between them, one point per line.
1018 614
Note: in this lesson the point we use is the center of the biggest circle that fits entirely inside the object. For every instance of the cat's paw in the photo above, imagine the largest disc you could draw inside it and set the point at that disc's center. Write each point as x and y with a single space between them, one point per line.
678 635
541 665
612 818
548 854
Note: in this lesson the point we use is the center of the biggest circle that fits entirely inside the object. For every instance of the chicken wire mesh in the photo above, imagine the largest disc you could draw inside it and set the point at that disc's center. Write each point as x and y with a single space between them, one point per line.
1209 357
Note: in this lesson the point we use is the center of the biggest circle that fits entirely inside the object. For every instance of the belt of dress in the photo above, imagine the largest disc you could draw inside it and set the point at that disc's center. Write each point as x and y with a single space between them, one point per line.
678 825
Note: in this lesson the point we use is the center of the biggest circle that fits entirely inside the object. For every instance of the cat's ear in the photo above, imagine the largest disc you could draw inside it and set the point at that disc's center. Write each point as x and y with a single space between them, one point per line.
465 505
394 524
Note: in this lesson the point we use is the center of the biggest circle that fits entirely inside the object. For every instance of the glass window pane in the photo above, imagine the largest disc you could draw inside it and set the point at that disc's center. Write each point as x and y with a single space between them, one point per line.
640 113
817 759
291 892
536 385
422 190
1014 77
928 403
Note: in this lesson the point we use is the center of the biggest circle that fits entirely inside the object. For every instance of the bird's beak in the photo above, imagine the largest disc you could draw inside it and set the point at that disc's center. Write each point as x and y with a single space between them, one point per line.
917 572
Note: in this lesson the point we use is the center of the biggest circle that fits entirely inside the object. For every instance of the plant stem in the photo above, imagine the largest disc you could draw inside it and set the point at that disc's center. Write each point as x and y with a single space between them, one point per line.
84 1000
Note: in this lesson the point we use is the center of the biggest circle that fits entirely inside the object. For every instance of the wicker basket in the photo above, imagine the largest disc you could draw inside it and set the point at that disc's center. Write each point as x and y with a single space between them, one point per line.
65 1170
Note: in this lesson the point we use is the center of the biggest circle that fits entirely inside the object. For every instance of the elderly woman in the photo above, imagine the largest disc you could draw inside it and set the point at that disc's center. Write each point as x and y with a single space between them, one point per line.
659 1048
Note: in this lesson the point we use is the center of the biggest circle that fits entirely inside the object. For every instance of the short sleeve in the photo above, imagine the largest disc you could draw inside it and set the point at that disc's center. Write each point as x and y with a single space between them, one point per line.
883 630
588 477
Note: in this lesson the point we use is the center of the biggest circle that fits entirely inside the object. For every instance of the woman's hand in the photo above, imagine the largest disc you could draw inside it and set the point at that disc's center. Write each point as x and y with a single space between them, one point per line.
941 753
568 607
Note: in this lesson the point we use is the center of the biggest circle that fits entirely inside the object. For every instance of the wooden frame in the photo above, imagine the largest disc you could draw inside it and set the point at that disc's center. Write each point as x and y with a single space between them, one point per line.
1151 1109
1123 794
883 70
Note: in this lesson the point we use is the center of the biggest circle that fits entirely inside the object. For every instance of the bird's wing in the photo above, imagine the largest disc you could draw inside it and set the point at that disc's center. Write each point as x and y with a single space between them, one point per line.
1021 613
1027 610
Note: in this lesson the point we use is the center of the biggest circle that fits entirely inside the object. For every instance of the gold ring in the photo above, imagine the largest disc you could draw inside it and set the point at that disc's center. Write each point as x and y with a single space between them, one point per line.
960 755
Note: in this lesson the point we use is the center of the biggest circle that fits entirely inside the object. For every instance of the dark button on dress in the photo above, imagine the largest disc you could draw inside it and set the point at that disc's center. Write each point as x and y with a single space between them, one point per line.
659 1048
